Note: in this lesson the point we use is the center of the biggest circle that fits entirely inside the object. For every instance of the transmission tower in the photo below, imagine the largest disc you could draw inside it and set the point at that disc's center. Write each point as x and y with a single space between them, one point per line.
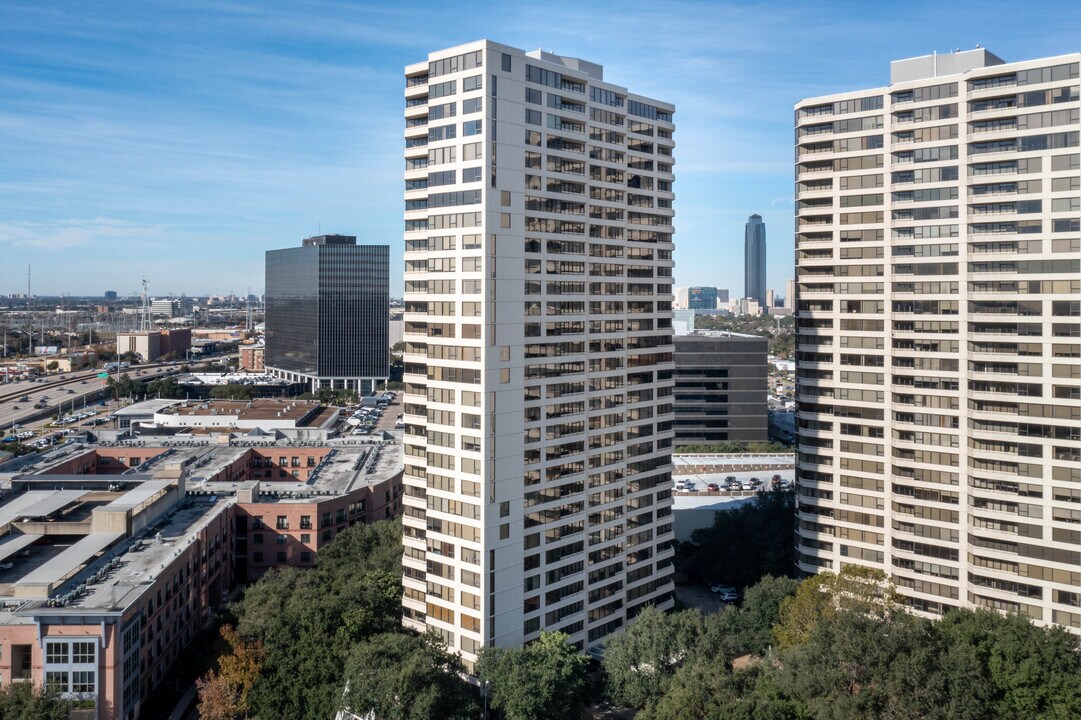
144 310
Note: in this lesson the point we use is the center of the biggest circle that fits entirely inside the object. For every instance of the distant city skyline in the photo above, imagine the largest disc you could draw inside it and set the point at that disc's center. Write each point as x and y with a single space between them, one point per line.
180 142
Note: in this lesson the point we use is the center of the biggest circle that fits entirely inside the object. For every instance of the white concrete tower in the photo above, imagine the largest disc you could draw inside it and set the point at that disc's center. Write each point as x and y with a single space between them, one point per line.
538 348
938 348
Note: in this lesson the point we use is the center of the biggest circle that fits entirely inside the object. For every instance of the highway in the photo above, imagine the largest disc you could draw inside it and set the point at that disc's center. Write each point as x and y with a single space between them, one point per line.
66 390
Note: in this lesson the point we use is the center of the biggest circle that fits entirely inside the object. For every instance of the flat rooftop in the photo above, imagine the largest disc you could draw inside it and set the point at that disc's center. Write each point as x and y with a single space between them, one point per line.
344 469
245 410
106 572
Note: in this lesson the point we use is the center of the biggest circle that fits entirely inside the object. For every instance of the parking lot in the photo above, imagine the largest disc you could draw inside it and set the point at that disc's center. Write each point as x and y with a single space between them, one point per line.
370 422
699 597
699 484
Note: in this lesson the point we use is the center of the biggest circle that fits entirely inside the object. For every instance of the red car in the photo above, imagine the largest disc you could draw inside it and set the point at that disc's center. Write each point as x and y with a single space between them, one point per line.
713 487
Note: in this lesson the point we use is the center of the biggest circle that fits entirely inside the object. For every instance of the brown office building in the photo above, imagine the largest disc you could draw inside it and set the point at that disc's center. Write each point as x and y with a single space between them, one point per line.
721 387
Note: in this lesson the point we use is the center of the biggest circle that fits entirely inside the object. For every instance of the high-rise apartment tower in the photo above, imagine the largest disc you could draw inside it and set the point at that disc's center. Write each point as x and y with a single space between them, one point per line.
754 260
938 347
538 348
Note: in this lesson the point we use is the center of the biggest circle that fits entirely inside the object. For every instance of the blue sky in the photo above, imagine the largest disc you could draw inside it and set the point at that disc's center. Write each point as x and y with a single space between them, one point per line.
180 140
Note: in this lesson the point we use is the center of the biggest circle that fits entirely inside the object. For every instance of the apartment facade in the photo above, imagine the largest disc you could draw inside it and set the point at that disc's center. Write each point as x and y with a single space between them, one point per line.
538 348
327 304
939 350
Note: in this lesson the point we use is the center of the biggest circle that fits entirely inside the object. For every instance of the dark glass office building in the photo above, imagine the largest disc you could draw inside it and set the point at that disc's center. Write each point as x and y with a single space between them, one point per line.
702 298
327 313
754 260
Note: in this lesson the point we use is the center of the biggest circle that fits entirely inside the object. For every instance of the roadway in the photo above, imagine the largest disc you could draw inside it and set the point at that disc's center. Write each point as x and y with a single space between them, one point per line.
63 391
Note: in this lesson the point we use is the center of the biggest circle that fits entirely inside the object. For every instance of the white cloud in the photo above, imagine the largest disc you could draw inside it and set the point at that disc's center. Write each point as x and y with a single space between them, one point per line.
64 234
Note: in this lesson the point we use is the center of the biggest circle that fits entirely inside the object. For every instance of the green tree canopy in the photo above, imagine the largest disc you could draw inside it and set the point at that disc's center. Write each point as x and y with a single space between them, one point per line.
546 680
24 701
405 676
722 553
640 663
310 620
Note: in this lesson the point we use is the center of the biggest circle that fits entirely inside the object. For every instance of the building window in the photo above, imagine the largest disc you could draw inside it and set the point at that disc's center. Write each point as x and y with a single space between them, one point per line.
305 557
258 522
281 557
56 652
82 681
82 653
305 537
281 539
283 522
257 557
258 538
56 681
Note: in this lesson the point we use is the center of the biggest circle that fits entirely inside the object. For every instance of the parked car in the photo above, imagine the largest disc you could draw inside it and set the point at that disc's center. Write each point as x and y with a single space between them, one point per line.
684 485
755 481
776 479
748 485
730 597
713 487
721 589
730 479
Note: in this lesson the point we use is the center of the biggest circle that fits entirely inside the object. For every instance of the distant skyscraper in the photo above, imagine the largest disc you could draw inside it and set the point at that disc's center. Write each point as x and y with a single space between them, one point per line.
754 260
327 313
790 294
702 298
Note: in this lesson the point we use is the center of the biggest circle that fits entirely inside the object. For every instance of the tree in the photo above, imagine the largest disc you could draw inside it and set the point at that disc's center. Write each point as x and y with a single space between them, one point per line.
858 665
640 663
704 691
721 552
310 620
25 701
1003 666
856 588
224 694
232 391
753 622
166 387
52 366
405 676
546 680
124 387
